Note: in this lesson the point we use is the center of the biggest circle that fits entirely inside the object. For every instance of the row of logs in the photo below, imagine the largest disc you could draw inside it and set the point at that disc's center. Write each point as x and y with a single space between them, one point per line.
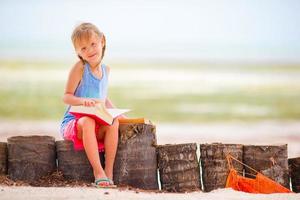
141 163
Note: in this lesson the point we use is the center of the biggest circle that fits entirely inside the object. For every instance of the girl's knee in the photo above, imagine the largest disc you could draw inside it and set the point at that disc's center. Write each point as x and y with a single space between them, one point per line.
115 124
86 121
113 128
84 124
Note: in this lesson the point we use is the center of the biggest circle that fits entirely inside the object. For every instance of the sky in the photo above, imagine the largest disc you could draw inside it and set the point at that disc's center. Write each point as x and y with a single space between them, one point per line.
214 30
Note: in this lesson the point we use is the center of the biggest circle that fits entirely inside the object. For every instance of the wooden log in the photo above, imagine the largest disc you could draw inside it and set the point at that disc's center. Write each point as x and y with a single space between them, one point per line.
294 168
214 164
73 164
3 158
136 161
269 160
31 157
178 167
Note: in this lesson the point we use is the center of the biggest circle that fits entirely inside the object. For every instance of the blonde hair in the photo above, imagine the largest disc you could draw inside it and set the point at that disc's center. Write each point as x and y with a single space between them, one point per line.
84 31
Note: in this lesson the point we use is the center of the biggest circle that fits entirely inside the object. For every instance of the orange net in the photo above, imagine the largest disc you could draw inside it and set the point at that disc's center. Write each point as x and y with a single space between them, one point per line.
259 184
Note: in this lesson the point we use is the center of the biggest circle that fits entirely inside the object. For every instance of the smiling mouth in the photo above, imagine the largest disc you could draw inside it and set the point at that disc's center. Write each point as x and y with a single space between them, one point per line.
92 55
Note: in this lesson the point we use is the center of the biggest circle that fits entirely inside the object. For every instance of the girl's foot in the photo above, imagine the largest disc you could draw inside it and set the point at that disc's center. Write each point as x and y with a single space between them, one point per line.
111 182
104 183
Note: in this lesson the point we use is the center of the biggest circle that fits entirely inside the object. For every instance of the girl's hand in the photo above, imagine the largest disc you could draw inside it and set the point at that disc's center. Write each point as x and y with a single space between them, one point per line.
89 102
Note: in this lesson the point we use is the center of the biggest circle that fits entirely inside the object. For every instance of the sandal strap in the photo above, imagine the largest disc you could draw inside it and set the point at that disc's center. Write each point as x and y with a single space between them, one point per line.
110 181
102 180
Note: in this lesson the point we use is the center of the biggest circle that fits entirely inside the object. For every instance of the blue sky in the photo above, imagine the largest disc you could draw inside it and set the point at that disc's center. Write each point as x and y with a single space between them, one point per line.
212 30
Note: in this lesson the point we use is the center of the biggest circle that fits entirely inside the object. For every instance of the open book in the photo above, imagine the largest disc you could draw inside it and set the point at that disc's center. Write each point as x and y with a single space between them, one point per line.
100 113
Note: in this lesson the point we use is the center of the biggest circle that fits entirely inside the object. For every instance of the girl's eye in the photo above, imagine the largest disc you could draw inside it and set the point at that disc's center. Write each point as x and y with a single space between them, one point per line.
94 44
83 49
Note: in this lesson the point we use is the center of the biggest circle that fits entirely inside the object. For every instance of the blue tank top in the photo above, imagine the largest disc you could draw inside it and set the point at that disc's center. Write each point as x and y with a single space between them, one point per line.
90 86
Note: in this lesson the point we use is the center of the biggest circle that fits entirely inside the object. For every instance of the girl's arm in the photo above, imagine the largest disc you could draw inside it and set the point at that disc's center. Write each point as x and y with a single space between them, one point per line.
74 78
109 104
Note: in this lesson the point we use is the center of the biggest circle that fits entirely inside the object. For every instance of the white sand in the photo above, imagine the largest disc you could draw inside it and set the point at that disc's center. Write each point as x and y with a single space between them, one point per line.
34 193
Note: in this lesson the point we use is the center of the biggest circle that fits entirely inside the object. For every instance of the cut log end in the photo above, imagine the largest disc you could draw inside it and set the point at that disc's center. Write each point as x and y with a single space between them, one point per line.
270 160
178 167
3 158
214 163
31 157
75 165
294 168
135 163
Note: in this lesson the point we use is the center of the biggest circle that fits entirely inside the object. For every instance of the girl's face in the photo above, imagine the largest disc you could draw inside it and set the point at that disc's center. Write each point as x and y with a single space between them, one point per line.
90 49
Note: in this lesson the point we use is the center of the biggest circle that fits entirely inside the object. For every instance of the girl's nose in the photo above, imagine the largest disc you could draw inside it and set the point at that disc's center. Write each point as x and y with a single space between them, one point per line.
89 50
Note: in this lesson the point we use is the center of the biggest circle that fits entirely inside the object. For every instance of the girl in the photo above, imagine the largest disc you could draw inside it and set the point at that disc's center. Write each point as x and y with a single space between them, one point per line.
87 84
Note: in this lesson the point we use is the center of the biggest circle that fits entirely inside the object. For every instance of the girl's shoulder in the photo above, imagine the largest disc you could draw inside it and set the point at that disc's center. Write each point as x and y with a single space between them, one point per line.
77 68
78 65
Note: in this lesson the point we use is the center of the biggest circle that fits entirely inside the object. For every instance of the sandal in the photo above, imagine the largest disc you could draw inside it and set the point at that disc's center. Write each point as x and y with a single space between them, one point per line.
103 183
111 182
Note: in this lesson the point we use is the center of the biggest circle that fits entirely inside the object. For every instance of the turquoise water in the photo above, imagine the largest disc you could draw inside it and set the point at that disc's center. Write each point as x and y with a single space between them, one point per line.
199 30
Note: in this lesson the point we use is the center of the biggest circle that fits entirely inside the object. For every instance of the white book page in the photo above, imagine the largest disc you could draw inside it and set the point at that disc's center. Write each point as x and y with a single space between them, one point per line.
114 112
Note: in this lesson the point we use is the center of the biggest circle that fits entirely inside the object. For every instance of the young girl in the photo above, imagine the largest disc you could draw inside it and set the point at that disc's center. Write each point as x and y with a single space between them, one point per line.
87 84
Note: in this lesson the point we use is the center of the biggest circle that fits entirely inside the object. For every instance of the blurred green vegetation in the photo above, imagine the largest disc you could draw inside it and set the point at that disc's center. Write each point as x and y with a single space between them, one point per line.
33 91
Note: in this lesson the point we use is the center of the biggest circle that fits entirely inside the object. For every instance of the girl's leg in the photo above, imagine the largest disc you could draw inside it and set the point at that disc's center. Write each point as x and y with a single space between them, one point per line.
86 132
110 144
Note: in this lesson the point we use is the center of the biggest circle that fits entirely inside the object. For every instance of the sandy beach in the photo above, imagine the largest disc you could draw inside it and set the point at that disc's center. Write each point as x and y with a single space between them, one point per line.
34 193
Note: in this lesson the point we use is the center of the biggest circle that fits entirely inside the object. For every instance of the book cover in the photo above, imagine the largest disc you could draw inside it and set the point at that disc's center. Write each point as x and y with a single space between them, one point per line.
134 121
102 115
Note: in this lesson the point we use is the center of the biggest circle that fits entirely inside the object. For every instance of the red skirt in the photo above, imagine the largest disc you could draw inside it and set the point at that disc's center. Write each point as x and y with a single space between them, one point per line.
70 133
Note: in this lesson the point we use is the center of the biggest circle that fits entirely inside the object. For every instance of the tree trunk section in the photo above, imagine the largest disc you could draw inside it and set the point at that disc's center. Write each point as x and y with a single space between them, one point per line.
214 163
30 157
178 167
136 162
269 160
3 158
294 167
74 164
